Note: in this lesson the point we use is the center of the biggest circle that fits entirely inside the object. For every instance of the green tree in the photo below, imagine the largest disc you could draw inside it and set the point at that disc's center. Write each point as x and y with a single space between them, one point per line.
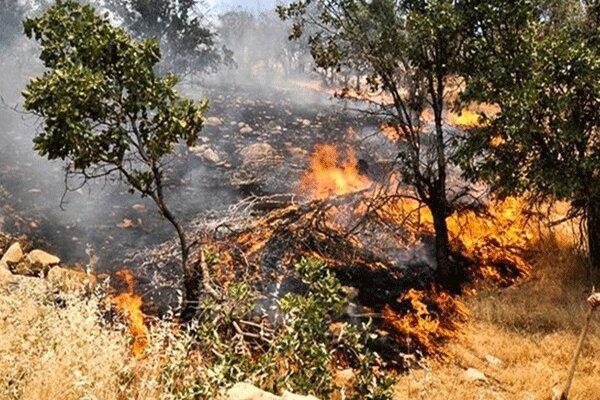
412 51
104 109
180 27
539 61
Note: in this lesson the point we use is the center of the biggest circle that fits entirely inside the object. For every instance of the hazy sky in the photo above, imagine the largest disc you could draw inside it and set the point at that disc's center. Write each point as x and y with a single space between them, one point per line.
258 5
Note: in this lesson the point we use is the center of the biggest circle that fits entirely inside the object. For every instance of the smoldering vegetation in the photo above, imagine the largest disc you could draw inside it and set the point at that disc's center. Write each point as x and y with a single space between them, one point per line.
262 90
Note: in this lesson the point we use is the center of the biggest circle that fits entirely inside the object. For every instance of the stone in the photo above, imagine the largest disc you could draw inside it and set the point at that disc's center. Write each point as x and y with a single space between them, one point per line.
246 391
344 378
475 375
69 280
13 255
206 152
291 396
246 130
213 121
6 277
42 259
257 153
493 361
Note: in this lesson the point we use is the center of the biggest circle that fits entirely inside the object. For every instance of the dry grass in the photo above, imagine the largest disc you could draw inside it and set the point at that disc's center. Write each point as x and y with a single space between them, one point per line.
532 328
61 348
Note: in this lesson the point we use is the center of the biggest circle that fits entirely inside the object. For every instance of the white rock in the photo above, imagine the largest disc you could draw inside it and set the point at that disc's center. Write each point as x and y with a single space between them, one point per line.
493 361
213 121
257 153
206 152
291 396
39 258
475 375
246 130
6 277
13 255
246 391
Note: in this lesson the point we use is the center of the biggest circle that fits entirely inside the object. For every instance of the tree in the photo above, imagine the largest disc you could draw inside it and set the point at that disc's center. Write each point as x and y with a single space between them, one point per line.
413 51
104 109
181 29
539 61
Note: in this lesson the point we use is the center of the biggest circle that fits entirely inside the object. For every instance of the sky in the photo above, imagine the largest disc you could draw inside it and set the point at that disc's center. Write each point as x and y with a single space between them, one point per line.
252 5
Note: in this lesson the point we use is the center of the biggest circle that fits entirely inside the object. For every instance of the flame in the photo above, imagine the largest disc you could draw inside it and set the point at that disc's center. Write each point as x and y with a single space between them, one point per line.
472 116
431 318
129 304
496 241
330 175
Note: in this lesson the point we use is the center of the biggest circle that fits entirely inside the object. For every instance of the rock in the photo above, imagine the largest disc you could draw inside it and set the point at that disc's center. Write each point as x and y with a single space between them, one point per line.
493 361
6 277
291 396
13 255
206 152
69 280
246 130
475 375
344 378
257 153
37 262
125 224
213 121
246 391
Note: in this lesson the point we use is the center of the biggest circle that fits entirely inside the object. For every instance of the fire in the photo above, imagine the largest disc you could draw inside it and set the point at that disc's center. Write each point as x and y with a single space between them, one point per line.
129 304
431 318
495 241
472 116
330 175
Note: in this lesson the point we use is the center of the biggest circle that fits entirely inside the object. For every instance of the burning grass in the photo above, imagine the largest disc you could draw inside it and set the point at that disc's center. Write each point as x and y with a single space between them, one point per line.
520 337
375 239
130 305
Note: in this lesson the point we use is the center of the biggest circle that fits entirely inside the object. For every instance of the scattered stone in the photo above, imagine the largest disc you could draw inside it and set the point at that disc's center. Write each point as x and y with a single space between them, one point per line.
344 378
207 153
13 255
41 259
246 130
213 121
69 280
139 207
493 361
246 391
125 224
291 396
6 277
475 375
257 153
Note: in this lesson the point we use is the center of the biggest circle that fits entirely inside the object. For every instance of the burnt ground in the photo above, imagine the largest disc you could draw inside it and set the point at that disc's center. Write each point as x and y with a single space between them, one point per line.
107 219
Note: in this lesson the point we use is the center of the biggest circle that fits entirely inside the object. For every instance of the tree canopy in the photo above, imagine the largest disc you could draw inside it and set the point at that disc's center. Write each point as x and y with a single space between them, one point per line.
539 61
413 52
186 38
104 109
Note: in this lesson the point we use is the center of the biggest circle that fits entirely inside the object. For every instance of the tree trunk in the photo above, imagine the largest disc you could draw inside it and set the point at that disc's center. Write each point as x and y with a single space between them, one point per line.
447 272
593 231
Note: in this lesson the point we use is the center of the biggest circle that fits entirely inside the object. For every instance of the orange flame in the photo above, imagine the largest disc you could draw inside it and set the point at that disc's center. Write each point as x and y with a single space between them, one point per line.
329 175
129 304
432 318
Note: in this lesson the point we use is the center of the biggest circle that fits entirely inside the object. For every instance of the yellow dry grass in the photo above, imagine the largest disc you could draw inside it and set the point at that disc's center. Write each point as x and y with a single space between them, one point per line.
61 347
532 328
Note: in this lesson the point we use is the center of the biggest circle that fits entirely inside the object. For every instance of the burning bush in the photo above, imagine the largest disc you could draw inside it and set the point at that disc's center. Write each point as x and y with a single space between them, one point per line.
429 319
